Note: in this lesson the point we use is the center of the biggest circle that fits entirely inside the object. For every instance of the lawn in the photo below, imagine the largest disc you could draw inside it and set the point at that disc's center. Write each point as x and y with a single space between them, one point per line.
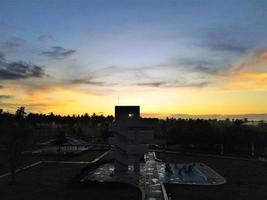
50 181
246 180
29 159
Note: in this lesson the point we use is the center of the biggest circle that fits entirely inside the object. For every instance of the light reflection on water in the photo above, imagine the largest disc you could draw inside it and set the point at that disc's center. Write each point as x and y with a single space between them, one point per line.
194 176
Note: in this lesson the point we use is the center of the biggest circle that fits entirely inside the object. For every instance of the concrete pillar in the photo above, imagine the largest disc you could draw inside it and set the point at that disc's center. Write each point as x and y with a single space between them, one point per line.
252 149
221 149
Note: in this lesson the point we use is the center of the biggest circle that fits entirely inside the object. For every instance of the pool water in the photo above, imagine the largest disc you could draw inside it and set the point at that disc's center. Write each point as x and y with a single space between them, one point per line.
194 176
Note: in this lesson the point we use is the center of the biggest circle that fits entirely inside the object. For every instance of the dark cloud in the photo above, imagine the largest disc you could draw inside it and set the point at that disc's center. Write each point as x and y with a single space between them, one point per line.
87 82
5 96
46 38
224 46
2 56
19 70
14 43
153 84
58 52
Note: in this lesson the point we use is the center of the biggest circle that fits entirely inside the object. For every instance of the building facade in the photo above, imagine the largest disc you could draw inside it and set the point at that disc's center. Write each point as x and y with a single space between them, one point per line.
131 136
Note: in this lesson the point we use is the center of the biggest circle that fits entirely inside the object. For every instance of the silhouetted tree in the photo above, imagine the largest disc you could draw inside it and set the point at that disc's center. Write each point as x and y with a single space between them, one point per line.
17 140
60 139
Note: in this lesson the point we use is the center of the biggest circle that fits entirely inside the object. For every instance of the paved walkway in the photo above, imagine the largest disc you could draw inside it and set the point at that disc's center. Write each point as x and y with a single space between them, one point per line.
148 179
151 184
153 174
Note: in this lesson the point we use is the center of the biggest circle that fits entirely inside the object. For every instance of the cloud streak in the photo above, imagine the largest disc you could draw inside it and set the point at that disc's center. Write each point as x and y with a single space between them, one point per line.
5 96
14 43
256 60
203 66
143 77
46 38
249 72
175 84
87 82
225 40
207 70
58 52
227 46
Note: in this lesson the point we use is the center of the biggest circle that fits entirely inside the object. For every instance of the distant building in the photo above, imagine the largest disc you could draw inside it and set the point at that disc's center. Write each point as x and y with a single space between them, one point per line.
131 135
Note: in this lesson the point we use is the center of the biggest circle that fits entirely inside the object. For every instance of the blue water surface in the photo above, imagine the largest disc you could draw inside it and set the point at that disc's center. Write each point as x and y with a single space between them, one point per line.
195 176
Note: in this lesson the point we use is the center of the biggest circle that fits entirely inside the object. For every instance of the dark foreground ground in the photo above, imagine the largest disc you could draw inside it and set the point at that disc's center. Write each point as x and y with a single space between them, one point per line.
29 159
246 180
50 181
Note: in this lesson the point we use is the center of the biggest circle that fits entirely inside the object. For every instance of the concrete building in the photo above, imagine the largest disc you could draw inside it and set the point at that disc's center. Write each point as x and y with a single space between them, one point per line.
131 136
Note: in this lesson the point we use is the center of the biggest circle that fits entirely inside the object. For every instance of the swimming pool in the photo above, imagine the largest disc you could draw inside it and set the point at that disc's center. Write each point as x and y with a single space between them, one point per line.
194 176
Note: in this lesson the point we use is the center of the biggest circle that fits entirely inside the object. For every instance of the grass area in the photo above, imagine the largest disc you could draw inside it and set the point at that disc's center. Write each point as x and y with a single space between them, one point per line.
246 180
49 181
29 159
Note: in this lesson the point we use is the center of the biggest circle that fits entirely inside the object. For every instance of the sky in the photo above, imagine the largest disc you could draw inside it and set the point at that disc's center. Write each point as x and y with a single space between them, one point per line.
168 56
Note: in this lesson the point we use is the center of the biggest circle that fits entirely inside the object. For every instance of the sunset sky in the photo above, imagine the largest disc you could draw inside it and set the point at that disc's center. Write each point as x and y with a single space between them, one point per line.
168 56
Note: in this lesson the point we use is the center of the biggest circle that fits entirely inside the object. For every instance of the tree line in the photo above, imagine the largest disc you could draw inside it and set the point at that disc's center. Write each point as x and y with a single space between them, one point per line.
236 136
35 118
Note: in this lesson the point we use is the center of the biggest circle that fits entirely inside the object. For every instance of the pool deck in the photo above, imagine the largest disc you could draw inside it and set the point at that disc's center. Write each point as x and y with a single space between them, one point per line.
153 175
